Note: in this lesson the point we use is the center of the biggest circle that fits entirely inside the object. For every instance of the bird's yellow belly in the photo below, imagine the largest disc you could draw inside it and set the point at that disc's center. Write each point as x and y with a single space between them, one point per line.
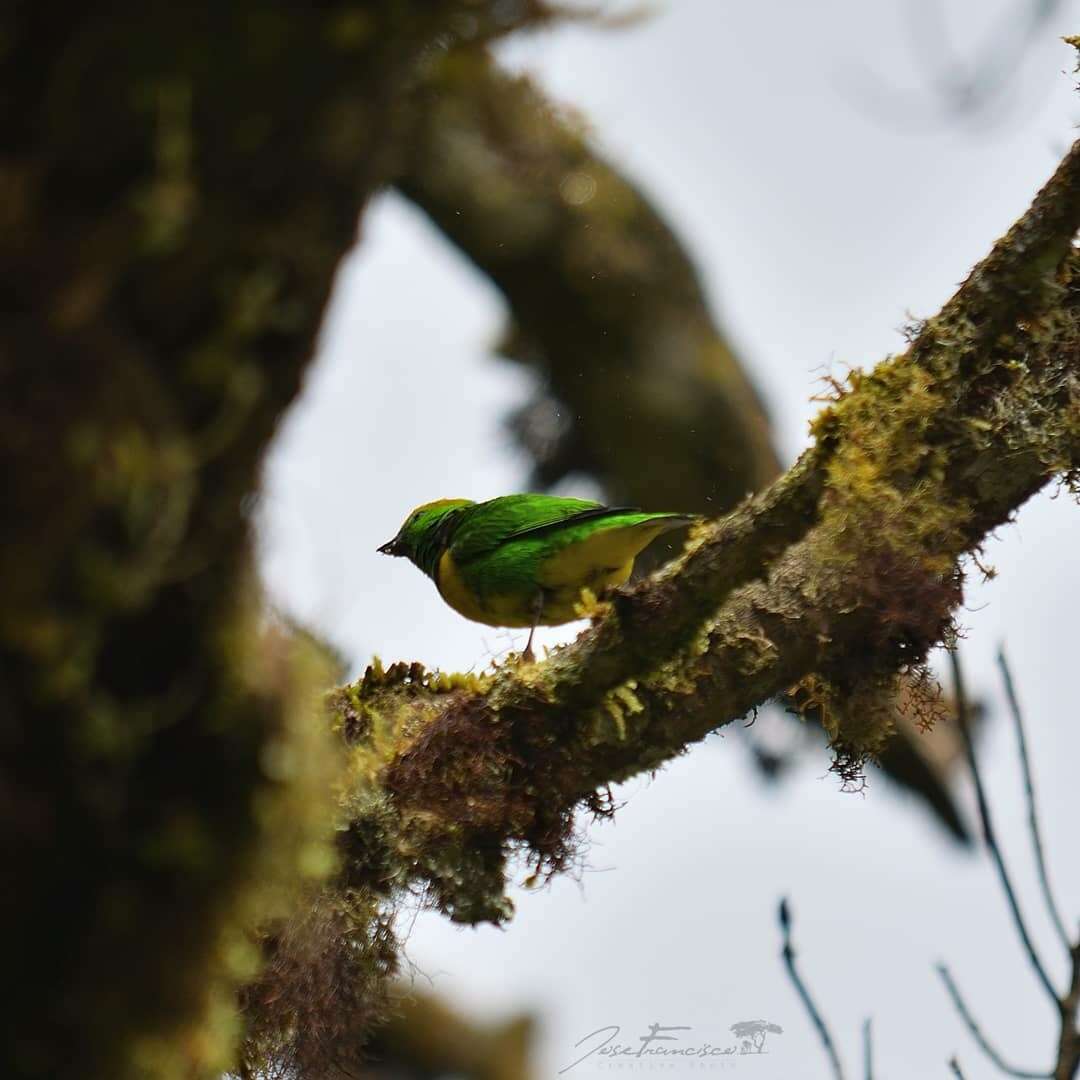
600 562
520 609
494 610
560 600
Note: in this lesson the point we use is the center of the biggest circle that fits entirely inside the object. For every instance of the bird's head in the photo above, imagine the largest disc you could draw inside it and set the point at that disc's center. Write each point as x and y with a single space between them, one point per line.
425 534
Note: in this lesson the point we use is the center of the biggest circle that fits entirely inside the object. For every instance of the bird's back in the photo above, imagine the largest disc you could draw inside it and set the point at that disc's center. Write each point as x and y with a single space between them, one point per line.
507 552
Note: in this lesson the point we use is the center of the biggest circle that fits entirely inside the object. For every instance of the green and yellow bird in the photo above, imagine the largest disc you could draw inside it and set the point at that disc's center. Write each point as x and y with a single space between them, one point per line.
523 560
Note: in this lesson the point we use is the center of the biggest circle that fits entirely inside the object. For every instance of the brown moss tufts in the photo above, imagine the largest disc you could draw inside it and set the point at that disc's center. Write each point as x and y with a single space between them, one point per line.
321 989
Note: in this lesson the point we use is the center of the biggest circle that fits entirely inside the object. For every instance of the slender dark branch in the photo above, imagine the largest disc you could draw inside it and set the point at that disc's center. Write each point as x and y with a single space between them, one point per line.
804 994
868 1049
954 1067
990 836
1029 793
977 1034
1068 1062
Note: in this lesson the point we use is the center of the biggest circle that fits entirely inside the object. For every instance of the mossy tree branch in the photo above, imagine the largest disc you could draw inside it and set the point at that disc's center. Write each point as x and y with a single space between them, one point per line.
639 386
847 580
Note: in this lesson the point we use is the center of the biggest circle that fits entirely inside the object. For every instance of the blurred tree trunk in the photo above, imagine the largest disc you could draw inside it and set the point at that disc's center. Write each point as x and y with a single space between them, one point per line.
177 186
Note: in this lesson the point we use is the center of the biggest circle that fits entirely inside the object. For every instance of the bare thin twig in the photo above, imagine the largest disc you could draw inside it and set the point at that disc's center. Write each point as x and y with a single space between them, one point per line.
954 1066
868 1049
808 1002
1029 792
1067 1064
991 837
976 1032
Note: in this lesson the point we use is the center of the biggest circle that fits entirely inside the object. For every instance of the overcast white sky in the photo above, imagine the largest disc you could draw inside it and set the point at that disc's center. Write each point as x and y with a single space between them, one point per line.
798 150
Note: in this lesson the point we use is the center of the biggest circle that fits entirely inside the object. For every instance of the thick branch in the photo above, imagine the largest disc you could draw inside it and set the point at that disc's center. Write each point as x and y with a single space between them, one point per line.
915 463
640 387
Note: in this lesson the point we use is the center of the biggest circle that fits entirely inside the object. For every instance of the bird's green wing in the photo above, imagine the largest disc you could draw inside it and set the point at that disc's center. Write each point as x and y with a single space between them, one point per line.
487 526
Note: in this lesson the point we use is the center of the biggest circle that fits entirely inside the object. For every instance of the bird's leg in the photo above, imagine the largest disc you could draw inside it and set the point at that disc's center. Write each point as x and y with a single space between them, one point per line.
538 609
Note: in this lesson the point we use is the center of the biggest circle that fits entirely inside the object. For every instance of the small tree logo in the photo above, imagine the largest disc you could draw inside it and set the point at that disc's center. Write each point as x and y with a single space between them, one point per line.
751 1034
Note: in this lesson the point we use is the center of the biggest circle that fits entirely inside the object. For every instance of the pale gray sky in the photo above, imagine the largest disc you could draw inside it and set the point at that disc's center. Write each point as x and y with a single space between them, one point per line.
820 224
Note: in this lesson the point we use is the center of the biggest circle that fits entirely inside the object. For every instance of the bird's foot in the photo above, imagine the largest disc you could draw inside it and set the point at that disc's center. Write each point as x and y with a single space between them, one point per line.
527 656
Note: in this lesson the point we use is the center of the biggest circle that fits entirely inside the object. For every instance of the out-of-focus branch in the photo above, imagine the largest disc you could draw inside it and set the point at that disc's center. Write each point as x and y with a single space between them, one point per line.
962 88
994 68
606 305
640 388
919 460
425 1034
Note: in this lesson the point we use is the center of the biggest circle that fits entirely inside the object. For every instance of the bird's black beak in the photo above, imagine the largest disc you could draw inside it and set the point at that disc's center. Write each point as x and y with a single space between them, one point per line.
389 548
